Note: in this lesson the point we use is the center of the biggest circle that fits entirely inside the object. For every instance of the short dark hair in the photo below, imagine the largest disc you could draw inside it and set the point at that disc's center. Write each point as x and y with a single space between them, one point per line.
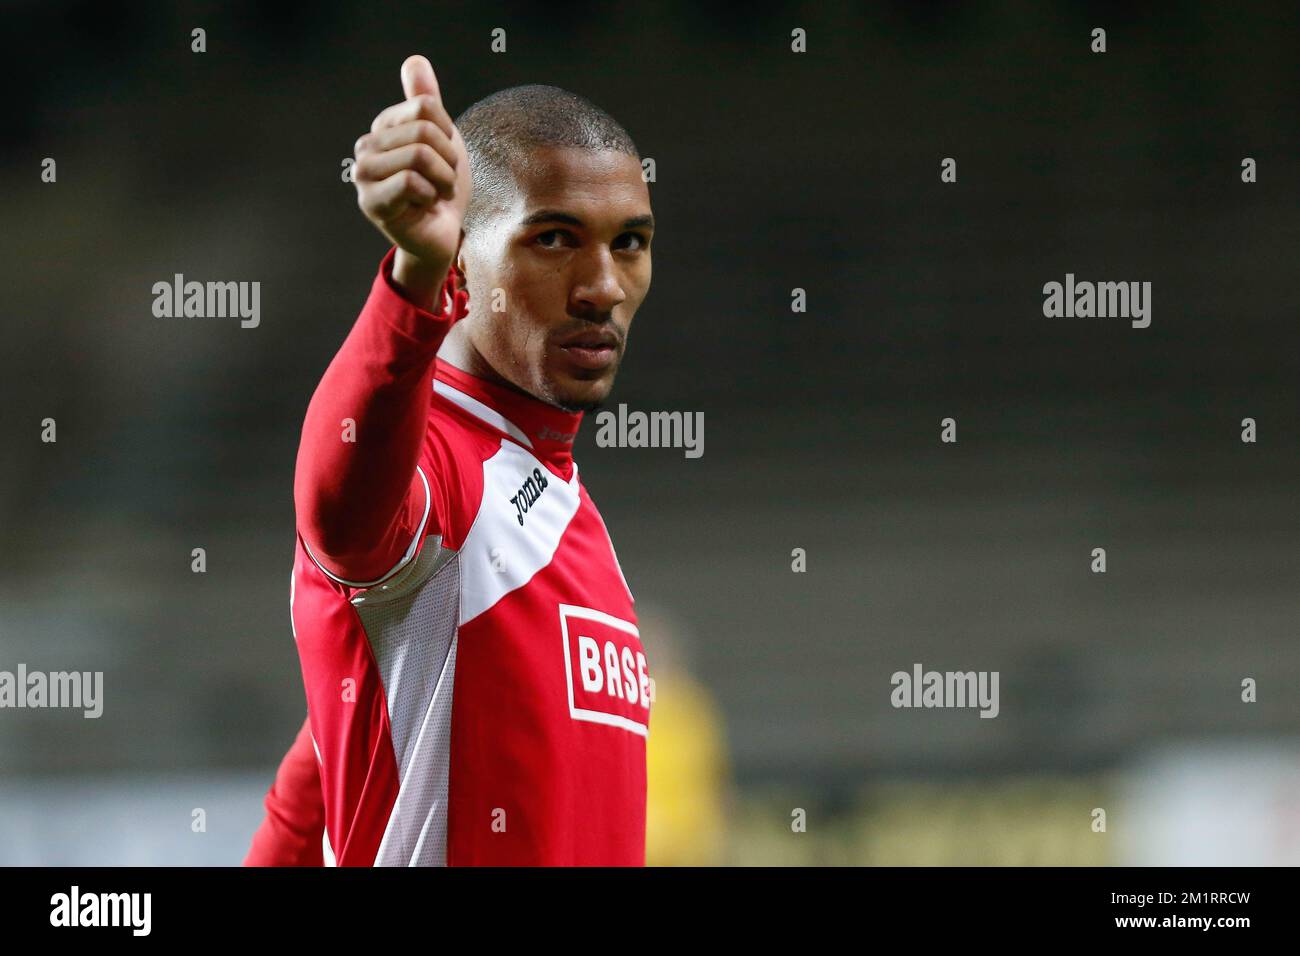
501 130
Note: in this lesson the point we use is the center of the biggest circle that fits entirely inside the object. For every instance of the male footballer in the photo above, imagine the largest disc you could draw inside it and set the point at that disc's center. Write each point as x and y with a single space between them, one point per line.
477 691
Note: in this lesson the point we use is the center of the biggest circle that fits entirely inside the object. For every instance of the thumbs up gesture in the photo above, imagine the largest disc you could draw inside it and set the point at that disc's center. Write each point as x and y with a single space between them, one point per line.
413 182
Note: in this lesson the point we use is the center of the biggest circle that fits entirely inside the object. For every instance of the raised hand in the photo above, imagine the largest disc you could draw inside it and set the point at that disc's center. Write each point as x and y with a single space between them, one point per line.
413 181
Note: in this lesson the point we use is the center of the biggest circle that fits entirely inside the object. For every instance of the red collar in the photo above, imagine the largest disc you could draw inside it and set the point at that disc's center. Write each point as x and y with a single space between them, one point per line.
548 432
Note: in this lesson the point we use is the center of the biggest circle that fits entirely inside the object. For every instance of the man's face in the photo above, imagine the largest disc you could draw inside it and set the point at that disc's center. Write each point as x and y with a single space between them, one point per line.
567 263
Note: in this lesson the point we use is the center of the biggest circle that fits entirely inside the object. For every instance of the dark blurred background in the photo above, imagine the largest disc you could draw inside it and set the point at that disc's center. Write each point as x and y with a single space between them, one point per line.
775 170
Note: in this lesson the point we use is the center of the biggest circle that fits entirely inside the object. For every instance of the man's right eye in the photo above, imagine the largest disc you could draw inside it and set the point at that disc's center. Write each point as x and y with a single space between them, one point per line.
552 238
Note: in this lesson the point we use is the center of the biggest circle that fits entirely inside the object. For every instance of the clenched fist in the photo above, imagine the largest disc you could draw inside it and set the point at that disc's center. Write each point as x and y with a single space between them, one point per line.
413 182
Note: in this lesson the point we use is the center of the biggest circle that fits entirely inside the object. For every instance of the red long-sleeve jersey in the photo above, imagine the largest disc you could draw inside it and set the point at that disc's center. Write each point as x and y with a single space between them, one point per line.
477 689
291 831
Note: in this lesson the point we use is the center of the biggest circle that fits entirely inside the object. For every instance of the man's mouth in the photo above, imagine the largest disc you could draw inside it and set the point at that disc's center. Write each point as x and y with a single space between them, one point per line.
593 350
591 357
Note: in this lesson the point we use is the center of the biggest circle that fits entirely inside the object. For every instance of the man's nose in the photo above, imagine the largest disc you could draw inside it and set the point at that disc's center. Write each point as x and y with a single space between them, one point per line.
598 287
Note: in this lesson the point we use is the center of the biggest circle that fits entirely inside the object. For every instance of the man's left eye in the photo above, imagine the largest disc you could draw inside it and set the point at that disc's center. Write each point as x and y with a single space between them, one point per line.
631 240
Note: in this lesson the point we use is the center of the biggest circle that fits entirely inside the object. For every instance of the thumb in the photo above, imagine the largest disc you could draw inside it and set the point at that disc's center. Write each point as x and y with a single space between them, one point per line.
417 77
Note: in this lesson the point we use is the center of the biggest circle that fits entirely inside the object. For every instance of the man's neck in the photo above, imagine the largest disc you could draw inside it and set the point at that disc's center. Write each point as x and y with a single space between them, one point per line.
549 431
458 350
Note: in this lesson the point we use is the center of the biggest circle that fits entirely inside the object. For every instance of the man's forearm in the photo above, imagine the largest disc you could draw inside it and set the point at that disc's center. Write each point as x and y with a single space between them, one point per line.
292 830
355 487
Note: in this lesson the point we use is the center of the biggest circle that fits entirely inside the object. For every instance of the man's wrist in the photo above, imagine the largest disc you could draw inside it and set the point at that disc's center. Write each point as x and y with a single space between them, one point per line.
419 281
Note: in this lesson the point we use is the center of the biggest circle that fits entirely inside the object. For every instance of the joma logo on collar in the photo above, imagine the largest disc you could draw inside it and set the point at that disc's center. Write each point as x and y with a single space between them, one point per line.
550 434
528 494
